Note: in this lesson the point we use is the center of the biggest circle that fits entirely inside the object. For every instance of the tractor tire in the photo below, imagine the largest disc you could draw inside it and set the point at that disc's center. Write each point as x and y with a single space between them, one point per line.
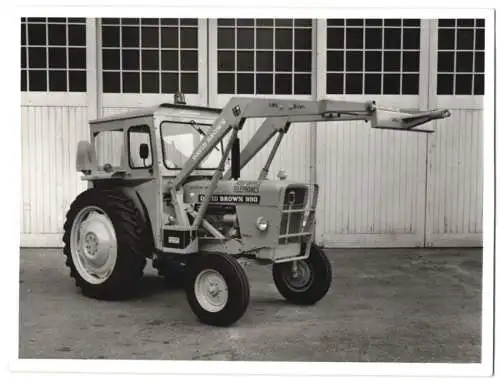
105 243
312 282
172 271
217 289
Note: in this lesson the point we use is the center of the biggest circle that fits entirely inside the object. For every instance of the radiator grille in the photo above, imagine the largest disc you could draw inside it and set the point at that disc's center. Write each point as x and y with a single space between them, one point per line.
297 216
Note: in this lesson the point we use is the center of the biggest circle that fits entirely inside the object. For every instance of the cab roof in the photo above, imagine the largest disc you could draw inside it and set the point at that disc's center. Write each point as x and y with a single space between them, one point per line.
155 110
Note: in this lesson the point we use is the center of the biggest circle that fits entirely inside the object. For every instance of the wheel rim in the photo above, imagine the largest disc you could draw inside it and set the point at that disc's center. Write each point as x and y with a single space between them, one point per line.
93 245
211 290
300 280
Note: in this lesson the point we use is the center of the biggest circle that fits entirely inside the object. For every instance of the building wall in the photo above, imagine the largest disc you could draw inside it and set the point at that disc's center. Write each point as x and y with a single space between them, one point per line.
378 188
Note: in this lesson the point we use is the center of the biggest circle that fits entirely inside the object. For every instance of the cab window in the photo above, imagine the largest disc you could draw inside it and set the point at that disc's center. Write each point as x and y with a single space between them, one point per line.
139 147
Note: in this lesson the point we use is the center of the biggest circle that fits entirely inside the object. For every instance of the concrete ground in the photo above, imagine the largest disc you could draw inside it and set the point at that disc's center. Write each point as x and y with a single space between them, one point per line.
386 305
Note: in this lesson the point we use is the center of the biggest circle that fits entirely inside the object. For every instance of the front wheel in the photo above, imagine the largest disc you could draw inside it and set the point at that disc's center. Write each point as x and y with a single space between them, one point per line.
307 282
217 289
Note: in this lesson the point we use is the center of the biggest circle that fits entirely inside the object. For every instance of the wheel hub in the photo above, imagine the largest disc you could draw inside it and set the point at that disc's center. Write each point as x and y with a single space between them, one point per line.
298 276
93 245
211 290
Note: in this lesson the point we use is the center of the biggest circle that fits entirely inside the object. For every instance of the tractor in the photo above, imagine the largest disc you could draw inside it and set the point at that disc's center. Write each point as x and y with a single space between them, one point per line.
164 184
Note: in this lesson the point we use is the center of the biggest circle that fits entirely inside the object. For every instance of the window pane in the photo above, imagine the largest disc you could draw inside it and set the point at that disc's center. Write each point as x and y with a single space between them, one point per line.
23 34
245 61
225 83
265 61
391 84
302 84
335 22
392 61
463 84
373 38
465 22
189 83
57 34
334 83
57 58
479 22
169 21
411 38
77 81
303 61
36 34
189 21
111 82
170 60
130 21
411 22
37 57
411 61
169 82
189 60
264 38
169 37
284 38
335 60
354 84
108 20
150 82
264 84
479 84
354 61
245 83
354 38
148 21
335 38
189 38
354 22
225 60
446 39
23 57
373 22
283 84
410 84
57 81
149 37
245 38
283 22
110 36
244 22
373 84
110 59
131 82
479 62
303 38
23 80
77 58
284 62
37 80
392 38
225 38
150 60
465 38
392 22
446 62
303 22
446 22
265 22
464 61
445 84
373 61
479 39
130 37
76 35
130 59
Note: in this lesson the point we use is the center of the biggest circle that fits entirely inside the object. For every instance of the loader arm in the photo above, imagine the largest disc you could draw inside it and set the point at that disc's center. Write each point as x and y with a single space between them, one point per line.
281 113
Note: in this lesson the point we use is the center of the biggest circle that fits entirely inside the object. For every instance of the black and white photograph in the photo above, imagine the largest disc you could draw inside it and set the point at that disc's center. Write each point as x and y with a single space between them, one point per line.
236 186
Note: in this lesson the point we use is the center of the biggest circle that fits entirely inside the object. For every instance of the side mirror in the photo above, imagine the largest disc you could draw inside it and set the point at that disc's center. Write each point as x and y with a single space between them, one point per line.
144 150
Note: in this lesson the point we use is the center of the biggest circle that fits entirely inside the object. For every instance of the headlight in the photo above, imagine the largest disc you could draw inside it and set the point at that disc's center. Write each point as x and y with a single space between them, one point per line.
262 224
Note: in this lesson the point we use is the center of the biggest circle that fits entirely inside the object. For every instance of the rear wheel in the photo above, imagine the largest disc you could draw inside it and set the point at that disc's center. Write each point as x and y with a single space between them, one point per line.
217 289
307 282
105 243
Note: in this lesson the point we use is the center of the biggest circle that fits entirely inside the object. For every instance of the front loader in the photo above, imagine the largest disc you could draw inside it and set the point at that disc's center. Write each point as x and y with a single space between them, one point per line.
160 188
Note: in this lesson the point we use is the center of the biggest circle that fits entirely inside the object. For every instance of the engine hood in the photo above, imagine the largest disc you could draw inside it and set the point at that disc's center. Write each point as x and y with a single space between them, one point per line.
260 192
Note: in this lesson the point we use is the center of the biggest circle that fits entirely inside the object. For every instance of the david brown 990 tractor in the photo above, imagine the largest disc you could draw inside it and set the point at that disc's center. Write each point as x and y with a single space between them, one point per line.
160 188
